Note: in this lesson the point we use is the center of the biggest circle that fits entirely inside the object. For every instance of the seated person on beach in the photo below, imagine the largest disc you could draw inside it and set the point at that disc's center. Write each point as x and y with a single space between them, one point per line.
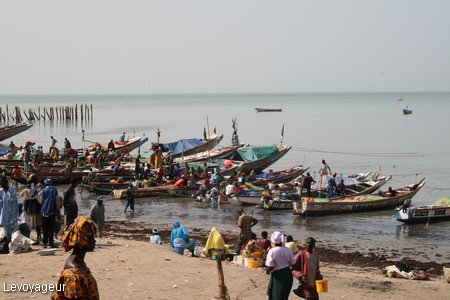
252 249
179 239
155 238
76 276
264 243
291 244
216 243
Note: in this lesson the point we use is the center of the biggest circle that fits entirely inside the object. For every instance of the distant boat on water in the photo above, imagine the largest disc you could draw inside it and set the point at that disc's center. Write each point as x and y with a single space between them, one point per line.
259 109
400 98
407 111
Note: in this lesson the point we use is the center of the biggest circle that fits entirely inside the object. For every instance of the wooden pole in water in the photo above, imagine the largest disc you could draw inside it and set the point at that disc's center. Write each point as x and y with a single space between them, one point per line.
92 112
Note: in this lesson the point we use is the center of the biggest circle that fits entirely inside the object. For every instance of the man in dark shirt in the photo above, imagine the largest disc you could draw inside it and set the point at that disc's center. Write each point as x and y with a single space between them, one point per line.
307 181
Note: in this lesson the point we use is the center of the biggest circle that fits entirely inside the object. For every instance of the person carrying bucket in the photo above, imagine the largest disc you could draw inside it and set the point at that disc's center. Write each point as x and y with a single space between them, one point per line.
306 270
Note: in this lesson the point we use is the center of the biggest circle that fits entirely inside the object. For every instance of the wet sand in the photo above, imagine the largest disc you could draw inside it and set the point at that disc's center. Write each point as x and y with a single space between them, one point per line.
126 266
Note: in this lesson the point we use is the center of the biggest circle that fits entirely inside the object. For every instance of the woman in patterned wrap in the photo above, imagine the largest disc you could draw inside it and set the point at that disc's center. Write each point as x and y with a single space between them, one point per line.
76 276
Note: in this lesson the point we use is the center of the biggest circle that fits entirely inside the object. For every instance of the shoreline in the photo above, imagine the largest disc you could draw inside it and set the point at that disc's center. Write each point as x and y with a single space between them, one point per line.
140 231
125 268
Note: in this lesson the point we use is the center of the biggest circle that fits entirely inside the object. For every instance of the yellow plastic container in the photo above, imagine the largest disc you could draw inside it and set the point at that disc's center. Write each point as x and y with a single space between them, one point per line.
322 286
253 264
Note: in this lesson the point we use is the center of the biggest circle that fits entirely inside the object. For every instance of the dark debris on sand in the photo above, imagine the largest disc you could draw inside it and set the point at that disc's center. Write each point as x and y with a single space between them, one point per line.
142 232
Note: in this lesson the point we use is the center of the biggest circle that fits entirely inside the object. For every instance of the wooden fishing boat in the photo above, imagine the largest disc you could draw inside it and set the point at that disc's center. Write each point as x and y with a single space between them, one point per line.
440 211
143 192
258 158
209 154
407 111
308 206
282 176
186 147
260 109
358 185
104 188
121 147
182 191
12 130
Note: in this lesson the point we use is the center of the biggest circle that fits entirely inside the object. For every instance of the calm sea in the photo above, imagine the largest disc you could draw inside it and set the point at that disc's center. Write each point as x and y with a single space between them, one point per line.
356 132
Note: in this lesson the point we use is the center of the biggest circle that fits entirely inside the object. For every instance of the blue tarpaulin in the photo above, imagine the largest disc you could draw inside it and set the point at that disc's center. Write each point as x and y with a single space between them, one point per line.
181 145
3 151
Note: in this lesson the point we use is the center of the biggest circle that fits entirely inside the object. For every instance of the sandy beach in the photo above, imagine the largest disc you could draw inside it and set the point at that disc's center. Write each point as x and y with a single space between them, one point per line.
129 267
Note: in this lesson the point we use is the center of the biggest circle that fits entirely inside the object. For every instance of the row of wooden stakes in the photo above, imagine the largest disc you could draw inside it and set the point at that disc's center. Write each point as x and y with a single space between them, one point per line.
64 113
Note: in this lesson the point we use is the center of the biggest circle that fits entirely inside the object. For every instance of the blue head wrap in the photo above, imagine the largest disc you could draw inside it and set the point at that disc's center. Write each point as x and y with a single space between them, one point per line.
176 224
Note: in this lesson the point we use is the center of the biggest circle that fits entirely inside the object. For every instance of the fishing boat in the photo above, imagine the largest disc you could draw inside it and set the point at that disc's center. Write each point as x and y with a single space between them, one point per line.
121 147
104 188
209 154
282 176
182 191
407 111
288 200
12 130
258 158
309 206
143 192
186 147
354 184
440 211
259 109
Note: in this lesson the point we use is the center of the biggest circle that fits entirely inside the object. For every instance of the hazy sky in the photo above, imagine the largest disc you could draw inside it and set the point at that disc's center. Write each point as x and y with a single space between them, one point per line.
207 46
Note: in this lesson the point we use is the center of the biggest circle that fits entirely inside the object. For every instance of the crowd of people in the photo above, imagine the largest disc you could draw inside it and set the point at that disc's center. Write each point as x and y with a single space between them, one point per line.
46 211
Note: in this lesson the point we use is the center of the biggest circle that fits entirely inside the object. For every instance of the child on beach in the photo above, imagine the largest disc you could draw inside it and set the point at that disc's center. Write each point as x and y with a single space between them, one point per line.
155 238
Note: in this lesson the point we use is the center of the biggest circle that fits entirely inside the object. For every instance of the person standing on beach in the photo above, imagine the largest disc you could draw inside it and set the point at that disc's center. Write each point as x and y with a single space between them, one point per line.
76 280
245 223
47 199
278 262
130 199
70 204
306 270
33 207
98 215
9 207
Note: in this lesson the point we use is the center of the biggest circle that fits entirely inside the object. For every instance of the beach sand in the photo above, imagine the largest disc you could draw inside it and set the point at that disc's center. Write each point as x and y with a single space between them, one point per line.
126 268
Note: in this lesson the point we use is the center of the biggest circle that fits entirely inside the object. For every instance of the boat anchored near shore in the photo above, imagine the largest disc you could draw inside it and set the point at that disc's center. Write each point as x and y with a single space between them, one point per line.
259 109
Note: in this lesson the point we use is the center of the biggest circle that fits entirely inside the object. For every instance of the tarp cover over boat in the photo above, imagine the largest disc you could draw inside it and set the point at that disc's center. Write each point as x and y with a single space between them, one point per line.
181 145
253 153
3 151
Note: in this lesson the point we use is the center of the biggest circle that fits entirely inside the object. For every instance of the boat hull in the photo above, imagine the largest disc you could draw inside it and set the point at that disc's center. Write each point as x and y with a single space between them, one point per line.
9 131
354 204
259 165
423 214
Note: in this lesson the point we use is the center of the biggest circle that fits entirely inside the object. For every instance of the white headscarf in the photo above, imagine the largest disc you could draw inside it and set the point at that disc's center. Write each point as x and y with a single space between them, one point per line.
277 238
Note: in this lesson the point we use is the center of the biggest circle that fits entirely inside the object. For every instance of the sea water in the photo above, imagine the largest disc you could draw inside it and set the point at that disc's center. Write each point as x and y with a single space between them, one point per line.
354 133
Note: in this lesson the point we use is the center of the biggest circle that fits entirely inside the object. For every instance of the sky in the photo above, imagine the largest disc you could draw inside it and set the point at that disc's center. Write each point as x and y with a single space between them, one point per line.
235 46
